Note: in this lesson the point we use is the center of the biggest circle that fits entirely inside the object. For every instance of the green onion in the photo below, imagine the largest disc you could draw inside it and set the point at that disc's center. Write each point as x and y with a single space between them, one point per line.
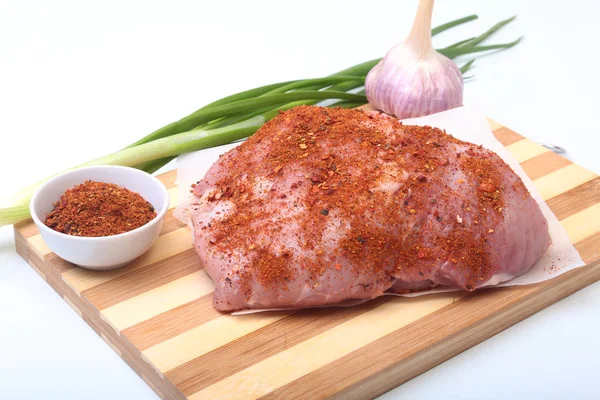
175 127
467 66
459 43
472 42
207 114
461 51
491 31
452 24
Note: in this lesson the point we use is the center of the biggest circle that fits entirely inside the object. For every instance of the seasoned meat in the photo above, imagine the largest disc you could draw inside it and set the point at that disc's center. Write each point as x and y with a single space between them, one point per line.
324 205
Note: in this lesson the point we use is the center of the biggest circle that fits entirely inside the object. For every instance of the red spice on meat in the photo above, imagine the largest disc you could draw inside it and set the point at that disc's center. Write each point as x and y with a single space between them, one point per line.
336 189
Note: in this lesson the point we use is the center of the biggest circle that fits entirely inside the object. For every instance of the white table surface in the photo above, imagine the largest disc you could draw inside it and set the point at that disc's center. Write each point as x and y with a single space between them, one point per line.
78 80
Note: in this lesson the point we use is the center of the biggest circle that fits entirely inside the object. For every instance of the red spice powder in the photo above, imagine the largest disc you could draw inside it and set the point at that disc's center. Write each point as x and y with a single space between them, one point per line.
99 209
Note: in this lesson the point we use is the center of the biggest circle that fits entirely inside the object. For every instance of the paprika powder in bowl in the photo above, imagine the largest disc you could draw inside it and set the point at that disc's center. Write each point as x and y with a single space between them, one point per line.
100 248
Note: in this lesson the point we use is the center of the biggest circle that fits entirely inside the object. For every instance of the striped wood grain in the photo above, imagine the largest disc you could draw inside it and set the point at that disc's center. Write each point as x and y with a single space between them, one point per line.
157 312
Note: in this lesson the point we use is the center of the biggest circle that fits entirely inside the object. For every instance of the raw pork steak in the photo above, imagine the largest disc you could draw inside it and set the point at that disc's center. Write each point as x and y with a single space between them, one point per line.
324 205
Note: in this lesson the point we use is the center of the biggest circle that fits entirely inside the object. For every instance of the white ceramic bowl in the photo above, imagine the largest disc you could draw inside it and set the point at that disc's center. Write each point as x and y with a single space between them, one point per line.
105 252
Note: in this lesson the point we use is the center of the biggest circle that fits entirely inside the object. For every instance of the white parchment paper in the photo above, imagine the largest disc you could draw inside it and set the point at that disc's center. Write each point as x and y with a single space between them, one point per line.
465 123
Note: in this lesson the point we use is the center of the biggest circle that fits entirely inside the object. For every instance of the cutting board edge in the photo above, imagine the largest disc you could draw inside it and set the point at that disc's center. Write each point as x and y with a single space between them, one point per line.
545 296
126 351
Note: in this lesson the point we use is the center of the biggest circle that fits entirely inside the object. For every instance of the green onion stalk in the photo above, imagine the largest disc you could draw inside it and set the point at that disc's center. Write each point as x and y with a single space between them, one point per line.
238 116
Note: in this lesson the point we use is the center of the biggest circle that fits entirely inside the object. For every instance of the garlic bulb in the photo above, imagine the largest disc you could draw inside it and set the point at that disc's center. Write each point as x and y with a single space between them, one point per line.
413 79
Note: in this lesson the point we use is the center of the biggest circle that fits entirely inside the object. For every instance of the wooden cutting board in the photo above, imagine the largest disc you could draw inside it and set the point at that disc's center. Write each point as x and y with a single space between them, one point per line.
157 312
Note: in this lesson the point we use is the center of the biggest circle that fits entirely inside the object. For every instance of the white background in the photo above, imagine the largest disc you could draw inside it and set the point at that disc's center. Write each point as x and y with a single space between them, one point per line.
81 79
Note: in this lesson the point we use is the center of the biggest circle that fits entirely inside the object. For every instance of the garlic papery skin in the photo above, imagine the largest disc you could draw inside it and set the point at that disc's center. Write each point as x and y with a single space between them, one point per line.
414 80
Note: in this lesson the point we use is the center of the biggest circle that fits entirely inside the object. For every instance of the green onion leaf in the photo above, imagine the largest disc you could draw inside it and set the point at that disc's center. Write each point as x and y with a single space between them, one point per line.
452 24
466 67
